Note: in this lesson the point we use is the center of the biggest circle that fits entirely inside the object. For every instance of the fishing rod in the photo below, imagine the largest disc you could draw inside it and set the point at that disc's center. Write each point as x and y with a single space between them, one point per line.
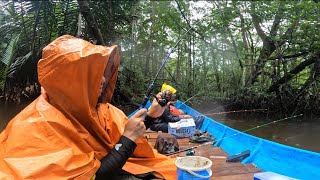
250 129
193 147
151 86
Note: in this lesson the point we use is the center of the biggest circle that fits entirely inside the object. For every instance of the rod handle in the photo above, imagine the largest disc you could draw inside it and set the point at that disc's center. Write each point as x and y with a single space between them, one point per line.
147 96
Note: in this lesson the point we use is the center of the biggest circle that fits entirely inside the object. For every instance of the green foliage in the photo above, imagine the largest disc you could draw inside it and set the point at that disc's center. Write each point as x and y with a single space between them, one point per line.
6 60
218 56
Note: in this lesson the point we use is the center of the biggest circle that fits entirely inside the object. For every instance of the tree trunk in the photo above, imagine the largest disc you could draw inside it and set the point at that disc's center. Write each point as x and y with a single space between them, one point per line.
179 52
110 24
247 64
268 43
204 67
189 66
91 21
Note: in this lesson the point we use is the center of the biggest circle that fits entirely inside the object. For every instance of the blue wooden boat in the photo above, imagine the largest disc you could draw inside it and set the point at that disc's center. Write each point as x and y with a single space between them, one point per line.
265 155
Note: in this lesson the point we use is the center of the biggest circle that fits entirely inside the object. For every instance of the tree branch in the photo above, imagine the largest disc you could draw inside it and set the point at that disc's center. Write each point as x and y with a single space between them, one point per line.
294 71
290 56
276 22
256 23
286 35
188 22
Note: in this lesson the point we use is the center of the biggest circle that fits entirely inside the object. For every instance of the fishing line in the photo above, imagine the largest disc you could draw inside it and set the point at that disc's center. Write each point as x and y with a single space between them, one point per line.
266 124
227 112
250 129
188 99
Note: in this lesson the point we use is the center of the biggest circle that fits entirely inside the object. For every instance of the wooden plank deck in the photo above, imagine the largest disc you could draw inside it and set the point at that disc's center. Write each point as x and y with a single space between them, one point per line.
221 170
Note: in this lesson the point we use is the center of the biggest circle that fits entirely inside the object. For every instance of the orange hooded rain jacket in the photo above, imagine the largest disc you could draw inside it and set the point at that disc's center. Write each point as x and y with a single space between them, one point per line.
64 132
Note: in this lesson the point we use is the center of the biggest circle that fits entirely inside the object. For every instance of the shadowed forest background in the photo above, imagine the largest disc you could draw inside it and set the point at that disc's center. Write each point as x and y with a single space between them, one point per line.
246 54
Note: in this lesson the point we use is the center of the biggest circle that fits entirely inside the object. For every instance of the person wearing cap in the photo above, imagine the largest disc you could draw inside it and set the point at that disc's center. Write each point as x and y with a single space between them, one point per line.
161 123
71 131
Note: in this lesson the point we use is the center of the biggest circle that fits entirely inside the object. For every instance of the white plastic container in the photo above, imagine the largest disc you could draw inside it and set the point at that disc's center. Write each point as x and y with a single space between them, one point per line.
183 128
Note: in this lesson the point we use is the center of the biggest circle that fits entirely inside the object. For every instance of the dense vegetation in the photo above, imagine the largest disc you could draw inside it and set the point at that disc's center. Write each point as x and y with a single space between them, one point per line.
251 54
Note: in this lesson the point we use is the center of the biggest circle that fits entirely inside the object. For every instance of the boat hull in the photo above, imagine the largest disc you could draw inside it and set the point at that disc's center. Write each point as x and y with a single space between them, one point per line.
265 154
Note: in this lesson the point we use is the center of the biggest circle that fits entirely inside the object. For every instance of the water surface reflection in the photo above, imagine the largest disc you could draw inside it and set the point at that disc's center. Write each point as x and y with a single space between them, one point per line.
297 132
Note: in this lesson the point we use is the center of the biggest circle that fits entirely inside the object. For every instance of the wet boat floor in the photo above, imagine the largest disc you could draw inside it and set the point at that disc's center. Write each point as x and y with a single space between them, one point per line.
221 170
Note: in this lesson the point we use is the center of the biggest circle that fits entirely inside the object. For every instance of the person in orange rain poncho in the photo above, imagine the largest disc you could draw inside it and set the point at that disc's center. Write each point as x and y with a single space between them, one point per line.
71 131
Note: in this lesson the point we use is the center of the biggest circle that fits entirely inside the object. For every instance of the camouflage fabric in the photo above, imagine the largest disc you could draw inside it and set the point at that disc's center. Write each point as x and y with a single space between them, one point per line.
201 137
166 144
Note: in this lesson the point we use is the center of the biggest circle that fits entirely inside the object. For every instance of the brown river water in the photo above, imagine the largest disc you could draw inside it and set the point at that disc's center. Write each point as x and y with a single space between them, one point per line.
300 132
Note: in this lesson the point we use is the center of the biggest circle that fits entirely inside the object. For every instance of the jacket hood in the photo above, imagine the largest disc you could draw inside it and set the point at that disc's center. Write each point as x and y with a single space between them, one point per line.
71 71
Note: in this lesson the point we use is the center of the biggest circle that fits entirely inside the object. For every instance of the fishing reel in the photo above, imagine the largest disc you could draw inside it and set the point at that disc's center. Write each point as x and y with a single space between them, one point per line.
166 96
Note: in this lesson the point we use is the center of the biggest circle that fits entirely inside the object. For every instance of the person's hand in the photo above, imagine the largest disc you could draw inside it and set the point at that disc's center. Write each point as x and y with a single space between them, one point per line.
186 116
156 109
173 102
135 127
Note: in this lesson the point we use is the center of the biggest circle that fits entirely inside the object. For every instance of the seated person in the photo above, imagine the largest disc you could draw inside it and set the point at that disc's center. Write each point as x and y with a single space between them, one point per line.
173 109
161 123
71 131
